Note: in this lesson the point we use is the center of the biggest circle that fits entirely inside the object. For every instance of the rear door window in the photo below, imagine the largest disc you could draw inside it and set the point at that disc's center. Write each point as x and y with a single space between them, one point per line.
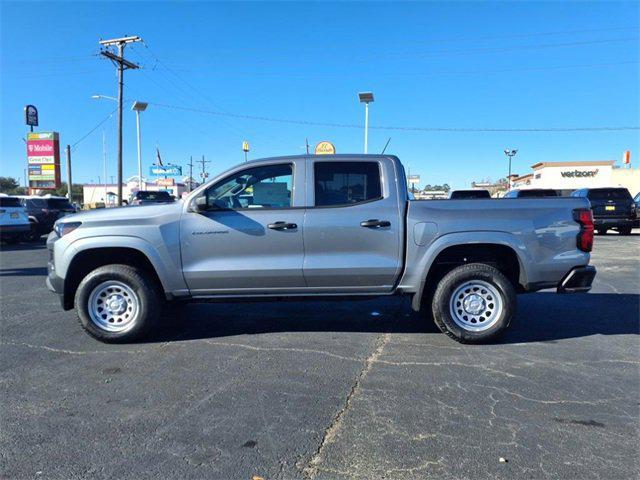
346 183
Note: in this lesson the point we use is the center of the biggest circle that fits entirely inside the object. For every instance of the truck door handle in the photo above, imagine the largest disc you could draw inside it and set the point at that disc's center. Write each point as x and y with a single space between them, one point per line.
375 223
282 226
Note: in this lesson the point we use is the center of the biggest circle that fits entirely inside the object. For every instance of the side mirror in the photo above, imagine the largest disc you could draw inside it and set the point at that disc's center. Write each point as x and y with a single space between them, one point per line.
200 204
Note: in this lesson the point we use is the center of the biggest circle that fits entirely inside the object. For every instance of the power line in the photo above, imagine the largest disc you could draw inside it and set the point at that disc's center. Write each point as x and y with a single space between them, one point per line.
401 128
73 146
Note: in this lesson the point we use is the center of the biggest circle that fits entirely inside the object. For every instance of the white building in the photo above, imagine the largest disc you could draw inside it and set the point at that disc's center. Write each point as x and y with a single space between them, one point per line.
569 176
100 194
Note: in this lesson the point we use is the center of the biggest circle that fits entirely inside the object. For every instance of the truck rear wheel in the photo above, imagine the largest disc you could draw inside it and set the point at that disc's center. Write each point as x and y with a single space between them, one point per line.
117 303
474 303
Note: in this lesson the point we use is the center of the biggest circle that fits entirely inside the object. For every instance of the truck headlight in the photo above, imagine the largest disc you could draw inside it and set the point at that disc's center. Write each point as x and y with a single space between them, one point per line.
62 228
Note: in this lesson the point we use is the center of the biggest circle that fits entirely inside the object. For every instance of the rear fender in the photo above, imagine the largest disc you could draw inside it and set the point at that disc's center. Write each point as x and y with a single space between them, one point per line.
422 258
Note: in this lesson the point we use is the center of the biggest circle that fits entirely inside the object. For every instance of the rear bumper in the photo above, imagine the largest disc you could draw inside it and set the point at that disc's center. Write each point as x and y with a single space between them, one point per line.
616 222
578 280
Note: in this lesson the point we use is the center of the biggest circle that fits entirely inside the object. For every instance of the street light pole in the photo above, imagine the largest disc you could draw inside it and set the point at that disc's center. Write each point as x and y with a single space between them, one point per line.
510 153
366 98
139 151
139 107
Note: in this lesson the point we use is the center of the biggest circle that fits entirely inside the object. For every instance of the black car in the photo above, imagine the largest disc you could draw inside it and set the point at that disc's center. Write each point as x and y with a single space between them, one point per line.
44 211
469 194
532 193
145 197
613 208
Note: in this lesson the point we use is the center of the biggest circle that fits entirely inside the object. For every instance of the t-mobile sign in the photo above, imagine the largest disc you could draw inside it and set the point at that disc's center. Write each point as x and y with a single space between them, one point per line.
43 149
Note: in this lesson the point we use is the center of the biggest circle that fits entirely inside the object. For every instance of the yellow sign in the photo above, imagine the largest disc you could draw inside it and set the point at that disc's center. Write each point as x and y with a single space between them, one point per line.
245 146
325 148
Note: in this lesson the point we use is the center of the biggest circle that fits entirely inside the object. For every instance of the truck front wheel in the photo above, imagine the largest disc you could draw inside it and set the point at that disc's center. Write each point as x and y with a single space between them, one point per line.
117 303
474 303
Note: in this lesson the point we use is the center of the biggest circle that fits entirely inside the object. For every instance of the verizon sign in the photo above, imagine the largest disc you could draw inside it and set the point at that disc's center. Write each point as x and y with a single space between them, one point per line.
579 173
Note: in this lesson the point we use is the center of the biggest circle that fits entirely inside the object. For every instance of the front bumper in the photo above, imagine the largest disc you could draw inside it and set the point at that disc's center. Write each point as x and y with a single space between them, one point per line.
578 280
53 281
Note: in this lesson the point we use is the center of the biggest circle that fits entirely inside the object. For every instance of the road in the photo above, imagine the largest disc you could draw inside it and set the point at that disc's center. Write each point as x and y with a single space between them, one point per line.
323 390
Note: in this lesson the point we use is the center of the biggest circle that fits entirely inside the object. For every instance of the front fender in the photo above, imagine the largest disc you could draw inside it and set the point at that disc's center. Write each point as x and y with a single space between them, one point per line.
165 260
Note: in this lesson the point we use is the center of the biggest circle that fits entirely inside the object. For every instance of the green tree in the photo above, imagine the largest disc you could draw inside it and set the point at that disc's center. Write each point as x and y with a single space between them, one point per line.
10 186
76 192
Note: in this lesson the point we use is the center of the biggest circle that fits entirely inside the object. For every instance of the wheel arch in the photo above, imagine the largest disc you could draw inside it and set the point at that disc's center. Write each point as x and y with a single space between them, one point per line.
500 254
87 260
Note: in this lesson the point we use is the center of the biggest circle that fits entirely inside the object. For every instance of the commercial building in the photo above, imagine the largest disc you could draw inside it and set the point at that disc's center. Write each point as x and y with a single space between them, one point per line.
569 176
106 194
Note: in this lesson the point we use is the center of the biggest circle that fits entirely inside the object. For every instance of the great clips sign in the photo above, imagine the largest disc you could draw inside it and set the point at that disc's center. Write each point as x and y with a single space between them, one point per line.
43 156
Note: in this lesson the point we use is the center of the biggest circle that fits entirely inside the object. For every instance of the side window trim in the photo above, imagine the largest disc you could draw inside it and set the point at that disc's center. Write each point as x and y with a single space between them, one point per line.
345 205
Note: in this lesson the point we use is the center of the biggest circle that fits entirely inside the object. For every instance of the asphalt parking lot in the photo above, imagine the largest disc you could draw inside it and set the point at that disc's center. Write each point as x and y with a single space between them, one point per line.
363 390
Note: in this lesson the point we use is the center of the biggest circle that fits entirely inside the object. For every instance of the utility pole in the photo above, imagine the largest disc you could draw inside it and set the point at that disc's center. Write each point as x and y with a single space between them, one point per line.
204 174
190 172
69 172
122 65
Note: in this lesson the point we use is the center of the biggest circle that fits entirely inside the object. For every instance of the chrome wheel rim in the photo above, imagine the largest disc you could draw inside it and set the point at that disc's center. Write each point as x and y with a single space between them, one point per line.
476 305
113 306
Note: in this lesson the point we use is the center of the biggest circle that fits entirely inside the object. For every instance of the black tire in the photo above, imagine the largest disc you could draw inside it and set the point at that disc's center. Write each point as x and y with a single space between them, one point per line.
455 279
601 231
624 231
147 296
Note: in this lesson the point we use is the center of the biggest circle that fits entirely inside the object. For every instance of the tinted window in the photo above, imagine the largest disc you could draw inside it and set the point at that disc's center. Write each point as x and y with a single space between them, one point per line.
609 194
537 193
470 194
9 202
154 196
36 203
346 183
58 204
268 186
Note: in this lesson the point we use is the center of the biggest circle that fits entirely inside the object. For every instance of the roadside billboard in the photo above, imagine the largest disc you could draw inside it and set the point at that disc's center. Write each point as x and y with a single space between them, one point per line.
43 158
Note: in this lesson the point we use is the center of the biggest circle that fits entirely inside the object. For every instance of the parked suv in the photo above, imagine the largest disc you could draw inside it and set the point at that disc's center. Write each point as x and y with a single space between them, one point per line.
613 208
532 193
14 222
147 197
44 211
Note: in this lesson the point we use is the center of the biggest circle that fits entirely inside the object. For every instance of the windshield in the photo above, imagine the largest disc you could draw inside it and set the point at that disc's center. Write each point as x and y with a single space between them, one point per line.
609 194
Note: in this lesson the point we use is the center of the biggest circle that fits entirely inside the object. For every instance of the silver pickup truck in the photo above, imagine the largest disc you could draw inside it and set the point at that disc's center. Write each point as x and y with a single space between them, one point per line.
310 226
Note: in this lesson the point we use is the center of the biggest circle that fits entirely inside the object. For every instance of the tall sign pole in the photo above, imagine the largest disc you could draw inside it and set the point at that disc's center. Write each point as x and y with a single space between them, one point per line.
122 65
69 183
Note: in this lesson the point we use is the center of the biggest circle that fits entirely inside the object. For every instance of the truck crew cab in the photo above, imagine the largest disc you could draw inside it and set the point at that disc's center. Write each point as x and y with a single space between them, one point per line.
319 226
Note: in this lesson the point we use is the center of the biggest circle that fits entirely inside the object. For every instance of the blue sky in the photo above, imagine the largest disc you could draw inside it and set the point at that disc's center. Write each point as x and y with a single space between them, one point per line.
449 64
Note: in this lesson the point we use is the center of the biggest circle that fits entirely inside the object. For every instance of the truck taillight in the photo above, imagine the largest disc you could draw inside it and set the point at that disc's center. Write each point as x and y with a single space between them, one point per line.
584 217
